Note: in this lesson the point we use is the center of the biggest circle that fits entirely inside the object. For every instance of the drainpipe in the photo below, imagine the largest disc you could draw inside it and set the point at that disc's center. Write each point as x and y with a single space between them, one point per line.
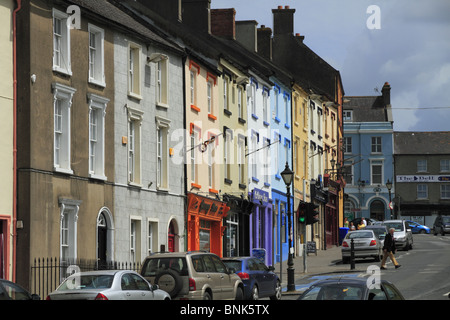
19 6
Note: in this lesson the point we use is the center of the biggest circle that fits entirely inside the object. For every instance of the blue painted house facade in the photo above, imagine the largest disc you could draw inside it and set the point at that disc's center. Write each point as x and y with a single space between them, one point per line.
281 115
368 155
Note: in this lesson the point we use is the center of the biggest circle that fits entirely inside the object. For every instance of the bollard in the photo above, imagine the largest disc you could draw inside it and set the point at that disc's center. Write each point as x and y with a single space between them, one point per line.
352 255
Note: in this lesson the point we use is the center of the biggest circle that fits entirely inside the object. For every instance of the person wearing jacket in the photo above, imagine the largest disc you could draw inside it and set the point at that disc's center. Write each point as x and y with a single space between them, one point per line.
389 250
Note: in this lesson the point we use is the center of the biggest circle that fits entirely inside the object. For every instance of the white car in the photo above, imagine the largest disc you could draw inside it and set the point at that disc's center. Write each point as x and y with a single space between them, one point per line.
107 285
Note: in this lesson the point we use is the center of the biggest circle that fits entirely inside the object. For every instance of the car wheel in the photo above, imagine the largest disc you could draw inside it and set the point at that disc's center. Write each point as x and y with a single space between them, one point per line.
169 281
239 294
277 295
422 231
255 293
207 296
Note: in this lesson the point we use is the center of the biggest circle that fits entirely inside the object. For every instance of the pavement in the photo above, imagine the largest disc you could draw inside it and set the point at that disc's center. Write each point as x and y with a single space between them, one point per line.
325 262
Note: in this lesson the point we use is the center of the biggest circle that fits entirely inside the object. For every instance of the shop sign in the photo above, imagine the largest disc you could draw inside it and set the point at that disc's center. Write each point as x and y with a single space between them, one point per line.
423 178
261 195
207 207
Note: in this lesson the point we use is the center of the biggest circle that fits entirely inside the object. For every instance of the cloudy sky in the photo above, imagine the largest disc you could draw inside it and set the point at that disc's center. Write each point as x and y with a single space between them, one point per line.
409 48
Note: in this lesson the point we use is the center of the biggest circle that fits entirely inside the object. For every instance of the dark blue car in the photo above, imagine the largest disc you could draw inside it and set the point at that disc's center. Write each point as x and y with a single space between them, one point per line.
259 280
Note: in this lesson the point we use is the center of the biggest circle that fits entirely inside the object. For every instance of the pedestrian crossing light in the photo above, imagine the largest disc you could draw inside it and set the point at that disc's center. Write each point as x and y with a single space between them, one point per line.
312 213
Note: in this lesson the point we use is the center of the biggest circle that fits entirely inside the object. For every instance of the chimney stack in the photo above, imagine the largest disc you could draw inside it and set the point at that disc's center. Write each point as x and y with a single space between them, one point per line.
386 93
283 20
197 14
265 42
223 23
247 35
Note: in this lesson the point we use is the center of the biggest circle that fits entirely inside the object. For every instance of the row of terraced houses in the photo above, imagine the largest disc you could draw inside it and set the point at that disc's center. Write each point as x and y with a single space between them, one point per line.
145 126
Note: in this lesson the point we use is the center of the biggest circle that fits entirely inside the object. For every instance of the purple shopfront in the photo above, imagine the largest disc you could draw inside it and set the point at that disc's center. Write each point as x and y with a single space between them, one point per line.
261 224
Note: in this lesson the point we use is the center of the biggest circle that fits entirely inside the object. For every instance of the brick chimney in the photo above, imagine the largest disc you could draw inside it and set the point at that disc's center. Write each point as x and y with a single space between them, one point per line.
283 20
197 14
265 42
168 9
247 35
223 23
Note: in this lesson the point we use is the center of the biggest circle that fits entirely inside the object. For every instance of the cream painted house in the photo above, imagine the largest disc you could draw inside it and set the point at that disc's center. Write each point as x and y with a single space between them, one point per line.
6 143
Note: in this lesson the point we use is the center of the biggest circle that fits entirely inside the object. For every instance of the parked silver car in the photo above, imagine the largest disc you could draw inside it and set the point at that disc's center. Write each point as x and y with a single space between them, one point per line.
366 244
441 225
379 230
107 285
193 275
402 234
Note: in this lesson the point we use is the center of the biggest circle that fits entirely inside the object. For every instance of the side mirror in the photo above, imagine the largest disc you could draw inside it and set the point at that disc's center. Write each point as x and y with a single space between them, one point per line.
155 287
231 270
35 297
271 268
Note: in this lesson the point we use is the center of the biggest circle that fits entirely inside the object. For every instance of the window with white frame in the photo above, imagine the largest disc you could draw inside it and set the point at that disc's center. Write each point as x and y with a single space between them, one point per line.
162 147
134 67
348 172
61 43
134 145
422 166
276 158
241 159
195 138
422 191
347 115
253 155
239 103
287 108
277 94
444 165
96 55
227 155
62 102
162 82
376 169
226 92
97 112
210 150
152 237
445 191
135 239
251 98
376 144
266 161
68 229
348 145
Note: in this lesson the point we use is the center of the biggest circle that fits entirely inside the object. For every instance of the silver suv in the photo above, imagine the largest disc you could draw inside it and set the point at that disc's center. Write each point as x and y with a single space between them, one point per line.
192 276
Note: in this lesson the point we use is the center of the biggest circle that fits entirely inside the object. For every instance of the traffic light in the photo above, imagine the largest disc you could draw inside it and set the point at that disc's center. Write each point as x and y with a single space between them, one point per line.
302 212
312 213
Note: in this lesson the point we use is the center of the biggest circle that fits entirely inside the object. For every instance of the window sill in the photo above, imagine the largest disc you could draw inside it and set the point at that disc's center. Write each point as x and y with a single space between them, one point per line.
62 170
162 105
134 184
134 95
212 117
97 83
195 108
196 186
66 72
97 177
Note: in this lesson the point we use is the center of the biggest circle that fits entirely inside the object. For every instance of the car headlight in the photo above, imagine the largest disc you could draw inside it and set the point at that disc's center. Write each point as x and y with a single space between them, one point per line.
401 238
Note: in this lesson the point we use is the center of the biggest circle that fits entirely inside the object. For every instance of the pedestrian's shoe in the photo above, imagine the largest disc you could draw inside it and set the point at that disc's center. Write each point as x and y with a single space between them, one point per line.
397 266
384 268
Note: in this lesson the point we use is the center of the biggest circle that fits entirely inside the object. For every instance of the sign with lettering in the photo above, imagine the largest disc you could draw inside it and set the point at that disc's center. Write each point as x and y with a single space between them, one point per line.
423 178
259 194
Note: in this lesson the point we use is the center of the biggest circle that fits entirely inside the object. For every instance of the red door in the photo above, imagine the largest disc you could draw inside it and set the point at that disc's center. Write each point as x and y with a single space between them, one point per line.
171 241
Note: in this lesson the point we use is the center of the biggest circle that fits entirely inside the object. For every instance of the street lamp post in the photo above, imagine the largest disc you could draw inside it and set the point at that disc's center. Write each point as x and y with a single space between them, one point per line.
389 187
287 176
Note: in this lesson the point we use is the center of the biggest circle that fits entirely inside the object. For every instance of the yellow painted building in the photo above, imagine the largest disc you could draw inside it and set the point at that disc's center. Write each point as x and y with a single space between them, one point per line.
7 230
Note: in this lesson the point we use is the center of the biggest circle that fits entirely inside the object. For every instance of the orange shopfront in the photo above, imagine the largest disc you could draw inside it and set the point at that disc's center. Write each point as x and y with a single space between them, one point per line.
205 226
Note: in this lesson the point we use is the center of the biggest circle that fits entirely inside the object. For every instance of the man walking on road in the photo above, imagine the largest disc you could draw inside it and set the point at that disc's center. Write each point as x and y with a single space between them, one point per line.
389 250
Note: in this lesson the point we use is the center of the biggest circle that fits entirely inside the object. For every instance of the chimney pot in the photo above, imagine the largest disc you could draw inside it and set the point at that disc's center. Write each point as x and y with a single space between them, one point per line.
287 7
280 7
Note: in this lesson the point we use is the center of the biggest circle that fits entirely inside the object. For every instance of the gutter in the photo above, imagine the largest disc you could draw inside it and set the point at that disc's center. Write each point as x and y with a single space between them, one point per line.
19 6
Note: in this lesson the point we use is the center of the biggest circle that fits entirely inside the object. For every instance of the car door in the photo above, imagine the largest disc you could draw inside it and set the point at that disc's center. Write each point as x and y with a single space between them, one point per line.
213 278
133 288
226 283
268 279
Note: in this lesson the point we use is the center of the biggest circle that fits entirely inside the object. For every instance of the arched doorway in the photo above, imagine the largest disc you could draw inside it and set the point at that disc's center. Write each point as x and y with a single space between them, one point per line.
171 235
104 238
377 210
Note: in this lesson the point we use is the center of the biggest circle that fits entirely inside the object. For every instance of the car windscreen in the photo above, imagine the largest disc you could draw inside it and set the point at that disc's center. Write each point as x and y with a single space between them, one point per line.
155 265
398 226
446 220
379 232
339 291
84 282
356 235
235 264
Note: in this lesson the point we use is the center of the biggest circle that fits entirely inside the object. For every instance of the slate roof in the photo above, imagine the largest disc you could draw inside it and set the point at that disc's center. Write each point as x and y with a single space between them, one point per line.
424 143
366 108
122 20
